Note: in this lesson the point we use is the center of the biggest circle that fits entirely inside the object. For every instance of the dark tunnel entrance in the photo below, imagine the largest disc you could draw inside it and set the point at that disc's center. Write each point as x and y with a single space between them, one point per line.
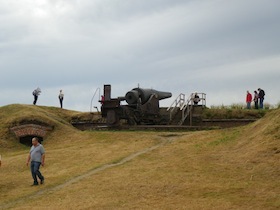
27 140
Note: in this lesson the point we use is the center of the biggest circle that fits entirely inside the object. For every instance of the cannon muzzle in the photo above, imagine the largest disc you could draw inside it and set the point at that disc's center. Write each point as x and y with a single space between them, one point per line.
136 94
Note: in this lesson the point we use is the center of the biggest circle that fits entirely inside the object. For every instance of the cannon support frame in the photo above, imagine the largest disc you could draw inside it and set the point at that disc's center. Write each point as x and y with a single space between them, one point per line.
142 107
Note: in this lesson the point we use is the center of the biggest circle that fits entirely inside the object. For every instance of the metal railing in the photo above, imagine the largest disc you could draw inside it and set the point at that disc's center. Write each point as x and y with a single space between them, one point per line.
97 89
186 106
201 99
186 109
177 103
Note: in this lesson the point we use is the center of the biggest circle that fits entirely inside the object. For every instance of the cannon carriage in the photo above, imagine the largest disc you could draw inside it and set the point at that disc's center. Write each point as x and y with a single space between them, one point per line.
142 107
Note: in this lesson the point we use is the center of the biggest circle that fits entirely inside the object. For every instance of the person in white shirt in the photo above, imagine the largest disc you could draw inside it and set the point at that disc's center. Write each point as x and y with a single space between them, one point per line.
60 97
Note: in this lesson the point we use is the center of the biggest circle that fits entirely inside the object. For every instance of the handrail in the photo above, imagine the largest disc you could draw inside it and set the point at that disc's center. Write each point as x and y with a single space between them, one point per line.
188 106
93 97
178 102
185 106
186 110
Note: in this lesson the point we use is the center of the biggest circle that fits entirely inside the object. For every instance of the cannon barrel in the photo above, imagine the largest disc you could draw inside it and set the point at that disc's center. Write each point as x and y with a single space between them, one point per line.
133 96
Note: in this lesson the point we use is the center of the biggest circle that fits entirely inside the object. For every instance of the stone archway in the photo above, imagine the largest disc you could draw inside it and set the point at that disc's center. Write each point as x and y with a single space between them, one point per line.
26 132
27 140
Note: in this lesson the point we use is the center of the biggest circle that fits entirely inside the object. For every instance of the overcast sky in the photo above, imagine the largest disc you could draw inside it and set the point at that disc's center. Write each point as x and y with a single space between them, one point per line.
220 47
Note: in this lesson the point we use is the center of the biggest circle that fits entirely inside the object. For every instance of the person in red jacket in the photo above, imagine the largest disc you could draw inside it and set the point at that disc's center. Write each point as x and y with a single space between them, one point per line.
248 99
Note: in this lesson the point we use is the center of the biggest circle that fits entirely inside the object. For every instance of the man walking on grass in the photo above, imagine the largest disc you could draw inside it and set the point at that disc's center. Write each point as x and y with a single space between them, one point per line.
37 157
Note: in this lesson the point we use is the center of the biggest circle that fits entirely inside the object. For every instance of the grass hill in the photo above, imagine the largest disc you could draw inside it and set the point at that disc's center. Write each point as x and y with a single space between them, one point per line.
236 168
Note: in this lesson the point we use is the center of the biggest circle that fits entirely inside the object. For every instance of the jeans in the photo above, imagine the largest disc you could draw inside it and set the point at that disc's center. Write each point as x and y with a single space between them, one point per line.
34 167
60 101
35 100
248 105
261 103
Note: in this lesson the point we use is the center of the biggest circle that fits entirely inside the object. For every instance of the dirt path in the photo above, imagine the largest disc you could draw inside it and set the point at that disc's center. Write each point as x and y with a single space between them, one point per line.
82 176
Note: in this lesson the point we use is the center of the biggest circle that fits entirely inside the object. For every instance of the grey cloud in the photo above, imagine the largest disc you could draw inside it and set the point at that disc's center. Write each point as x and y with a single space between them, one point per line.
177 46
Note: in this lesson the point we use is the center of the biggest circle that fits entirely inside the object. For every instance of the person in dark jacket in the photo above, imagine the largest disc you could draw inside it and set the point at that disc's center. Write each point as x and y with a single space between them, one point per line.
196 99
261 97
256 99
36 93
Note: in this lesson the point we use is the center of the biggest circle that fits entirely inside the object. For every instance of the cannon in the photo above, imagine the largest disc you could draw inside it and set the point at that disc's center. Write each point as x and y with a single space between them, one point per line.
142 107
143 95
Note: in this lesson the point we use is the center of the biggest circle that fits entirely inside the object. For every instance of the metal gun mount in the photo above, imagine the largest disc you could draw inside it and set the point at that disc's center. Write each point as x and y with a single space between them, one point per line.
142 106
141 95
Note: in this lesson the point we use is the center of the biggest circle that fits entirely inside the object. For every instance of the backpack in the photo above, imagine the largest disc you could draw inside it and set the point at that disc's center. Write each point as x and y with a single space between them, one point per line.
34 93
262 93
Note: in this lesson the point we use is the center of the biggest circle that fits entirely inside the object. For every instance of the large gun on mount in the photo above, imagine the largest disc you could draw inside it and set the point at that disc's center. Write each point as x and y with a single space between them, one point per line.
142 107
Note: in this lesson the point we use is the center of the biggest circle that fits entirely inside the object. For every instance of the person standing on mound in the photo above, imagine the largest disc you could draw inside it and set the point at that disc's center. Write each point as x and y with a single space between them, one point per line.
36 93
248 99
256 99
60 97
261 97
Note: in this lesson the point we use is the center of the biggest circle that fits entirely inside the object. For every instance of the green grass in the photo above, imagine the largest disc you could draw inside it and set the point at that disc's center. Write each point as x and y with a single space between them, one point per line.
227 137
230 113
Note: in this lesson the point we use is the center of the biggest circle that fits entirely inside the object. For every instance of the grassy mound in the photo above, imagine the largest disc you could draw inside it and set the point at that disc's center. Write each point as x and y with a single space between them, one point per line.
16 114
234 168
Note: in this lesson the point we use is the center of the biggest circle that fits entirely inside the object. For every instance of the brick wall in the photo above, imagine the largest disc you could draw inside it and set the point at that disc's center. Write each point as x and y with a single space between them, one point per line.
31 130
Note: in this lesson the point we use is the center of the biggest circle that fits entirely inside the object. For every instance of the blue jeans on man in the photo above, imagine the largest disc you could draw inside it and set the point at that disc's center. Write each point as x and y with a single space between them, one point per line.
261 103
34 167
